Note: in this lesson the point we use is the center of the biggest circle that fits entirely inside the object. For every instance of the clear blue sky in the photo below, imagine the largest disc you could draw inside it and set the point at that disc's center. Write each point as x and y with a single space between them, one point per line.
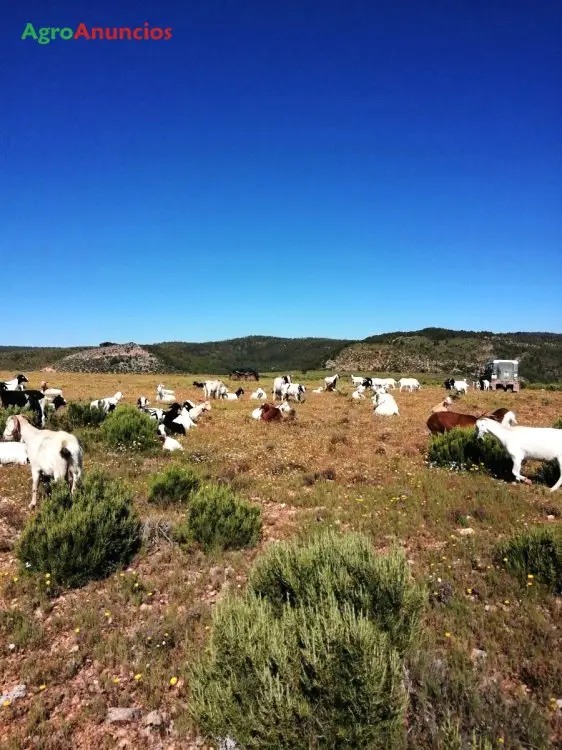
288 168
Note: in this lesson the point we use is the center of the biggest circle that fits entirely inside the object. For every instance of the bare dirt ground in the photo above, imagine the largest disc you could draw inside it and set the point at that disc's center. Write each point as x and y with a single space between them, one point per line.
119 642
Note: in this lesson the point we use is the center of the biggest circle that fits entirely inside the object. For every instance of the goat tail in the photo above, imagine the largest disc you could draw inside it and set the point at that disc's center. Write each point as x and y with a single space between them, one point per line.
64 452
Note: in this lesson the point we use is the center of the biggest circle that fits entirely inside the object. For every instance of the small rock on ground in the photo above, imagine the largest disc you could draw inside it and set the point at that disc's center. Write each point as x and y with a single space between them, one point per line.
20 691
115 715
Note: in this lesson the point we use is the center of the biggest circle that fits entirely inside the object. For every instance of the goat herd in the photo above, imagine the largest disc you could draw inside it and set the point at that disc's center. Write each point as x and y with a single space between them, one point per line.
58 454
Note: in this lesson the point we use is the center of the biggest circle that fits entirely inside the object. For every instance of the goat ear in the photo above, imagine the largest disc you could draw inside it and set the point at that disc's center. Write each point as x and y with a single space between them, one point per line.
17 430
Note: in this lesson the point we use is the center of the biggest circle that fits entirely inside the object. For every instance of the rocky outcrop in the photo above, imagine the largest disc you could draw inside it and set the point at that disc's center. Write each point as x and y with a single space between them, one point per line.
115 358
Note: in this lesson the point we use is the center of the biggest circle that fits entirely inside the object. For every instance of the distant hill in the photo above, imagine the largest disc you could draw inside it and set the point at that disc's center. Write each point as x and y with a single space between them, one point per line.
439 350
432 350
262 353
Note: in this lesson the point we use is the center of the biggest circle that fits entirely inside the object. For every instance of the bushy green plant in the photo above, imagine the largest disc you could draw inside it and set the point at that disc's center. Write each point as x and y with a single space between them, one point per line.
462 449
81 537
10 412
220 520
558 424
76 415
308 678
346 568
127 428
174 485
538 553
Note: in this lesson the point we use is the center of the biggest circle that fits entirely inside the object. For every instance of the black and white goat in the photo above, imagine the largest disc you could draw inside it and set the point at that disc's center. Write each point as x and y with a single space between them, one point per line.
35 400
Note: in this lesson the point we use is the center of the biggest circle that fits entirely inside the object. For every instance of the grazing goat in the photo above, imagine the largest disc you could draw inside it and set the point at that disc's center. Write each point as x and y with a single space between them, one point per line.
448 384
318 390
168 443
35 400
107 404
386 406
358 393
460 386
387 382
293 391
539 443
164 394
357 380
234 396
214 389
13 453
485 385
197 384
278 384
55 455
411 383
258 395
57 403
142 402
15 384
444 421
330 382
443 406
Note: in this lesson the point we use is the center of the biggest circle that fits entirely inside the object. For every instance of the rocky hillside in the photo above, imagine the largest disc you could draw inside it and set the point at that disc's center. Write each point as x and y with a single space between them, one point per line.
114 358
440 351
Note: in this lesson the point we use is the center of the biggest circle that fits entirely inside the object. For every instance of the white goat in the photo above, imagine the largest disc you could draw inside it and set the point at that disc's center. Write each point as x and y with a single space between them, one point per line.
142 402
358 394
168 443
165 395
107 404
196 411
258 395
294 391
318 390
486 384
330 382
443 406
386 406
540 443
278 384
52 454
388 382
13 453
411 383
49 393
357 380
214 389
185 420
234 396
460 386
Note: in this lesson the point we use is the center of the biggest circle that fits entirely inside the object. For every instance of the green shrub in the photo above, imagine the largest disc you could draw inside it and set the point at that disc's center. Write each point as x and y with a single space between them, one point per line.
462 449
175 485
13 411
220 520
82 537
558 424
538 553
308 678
127 428
347 569
76 415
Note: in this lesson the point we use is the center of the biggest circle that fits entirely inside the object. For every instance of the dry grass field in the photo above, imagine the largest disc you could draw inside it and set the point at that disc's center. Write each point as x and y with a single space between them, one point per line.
119 642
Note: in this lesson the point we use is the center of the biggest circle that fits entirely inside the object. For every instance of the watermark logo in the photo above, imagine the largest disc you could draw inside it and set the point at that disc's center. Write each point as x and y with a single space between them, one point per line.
48 34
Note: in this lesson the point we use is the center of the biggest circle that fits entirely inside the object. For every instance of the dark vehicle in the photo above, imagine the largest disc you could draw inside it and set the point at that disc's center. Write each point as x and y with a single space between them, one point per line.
244 375
503 374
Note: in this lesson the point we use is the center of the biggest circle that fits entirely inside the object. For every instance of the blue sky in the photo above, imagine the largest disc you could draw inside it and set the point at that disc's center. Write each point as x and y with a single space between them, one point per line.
288 168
